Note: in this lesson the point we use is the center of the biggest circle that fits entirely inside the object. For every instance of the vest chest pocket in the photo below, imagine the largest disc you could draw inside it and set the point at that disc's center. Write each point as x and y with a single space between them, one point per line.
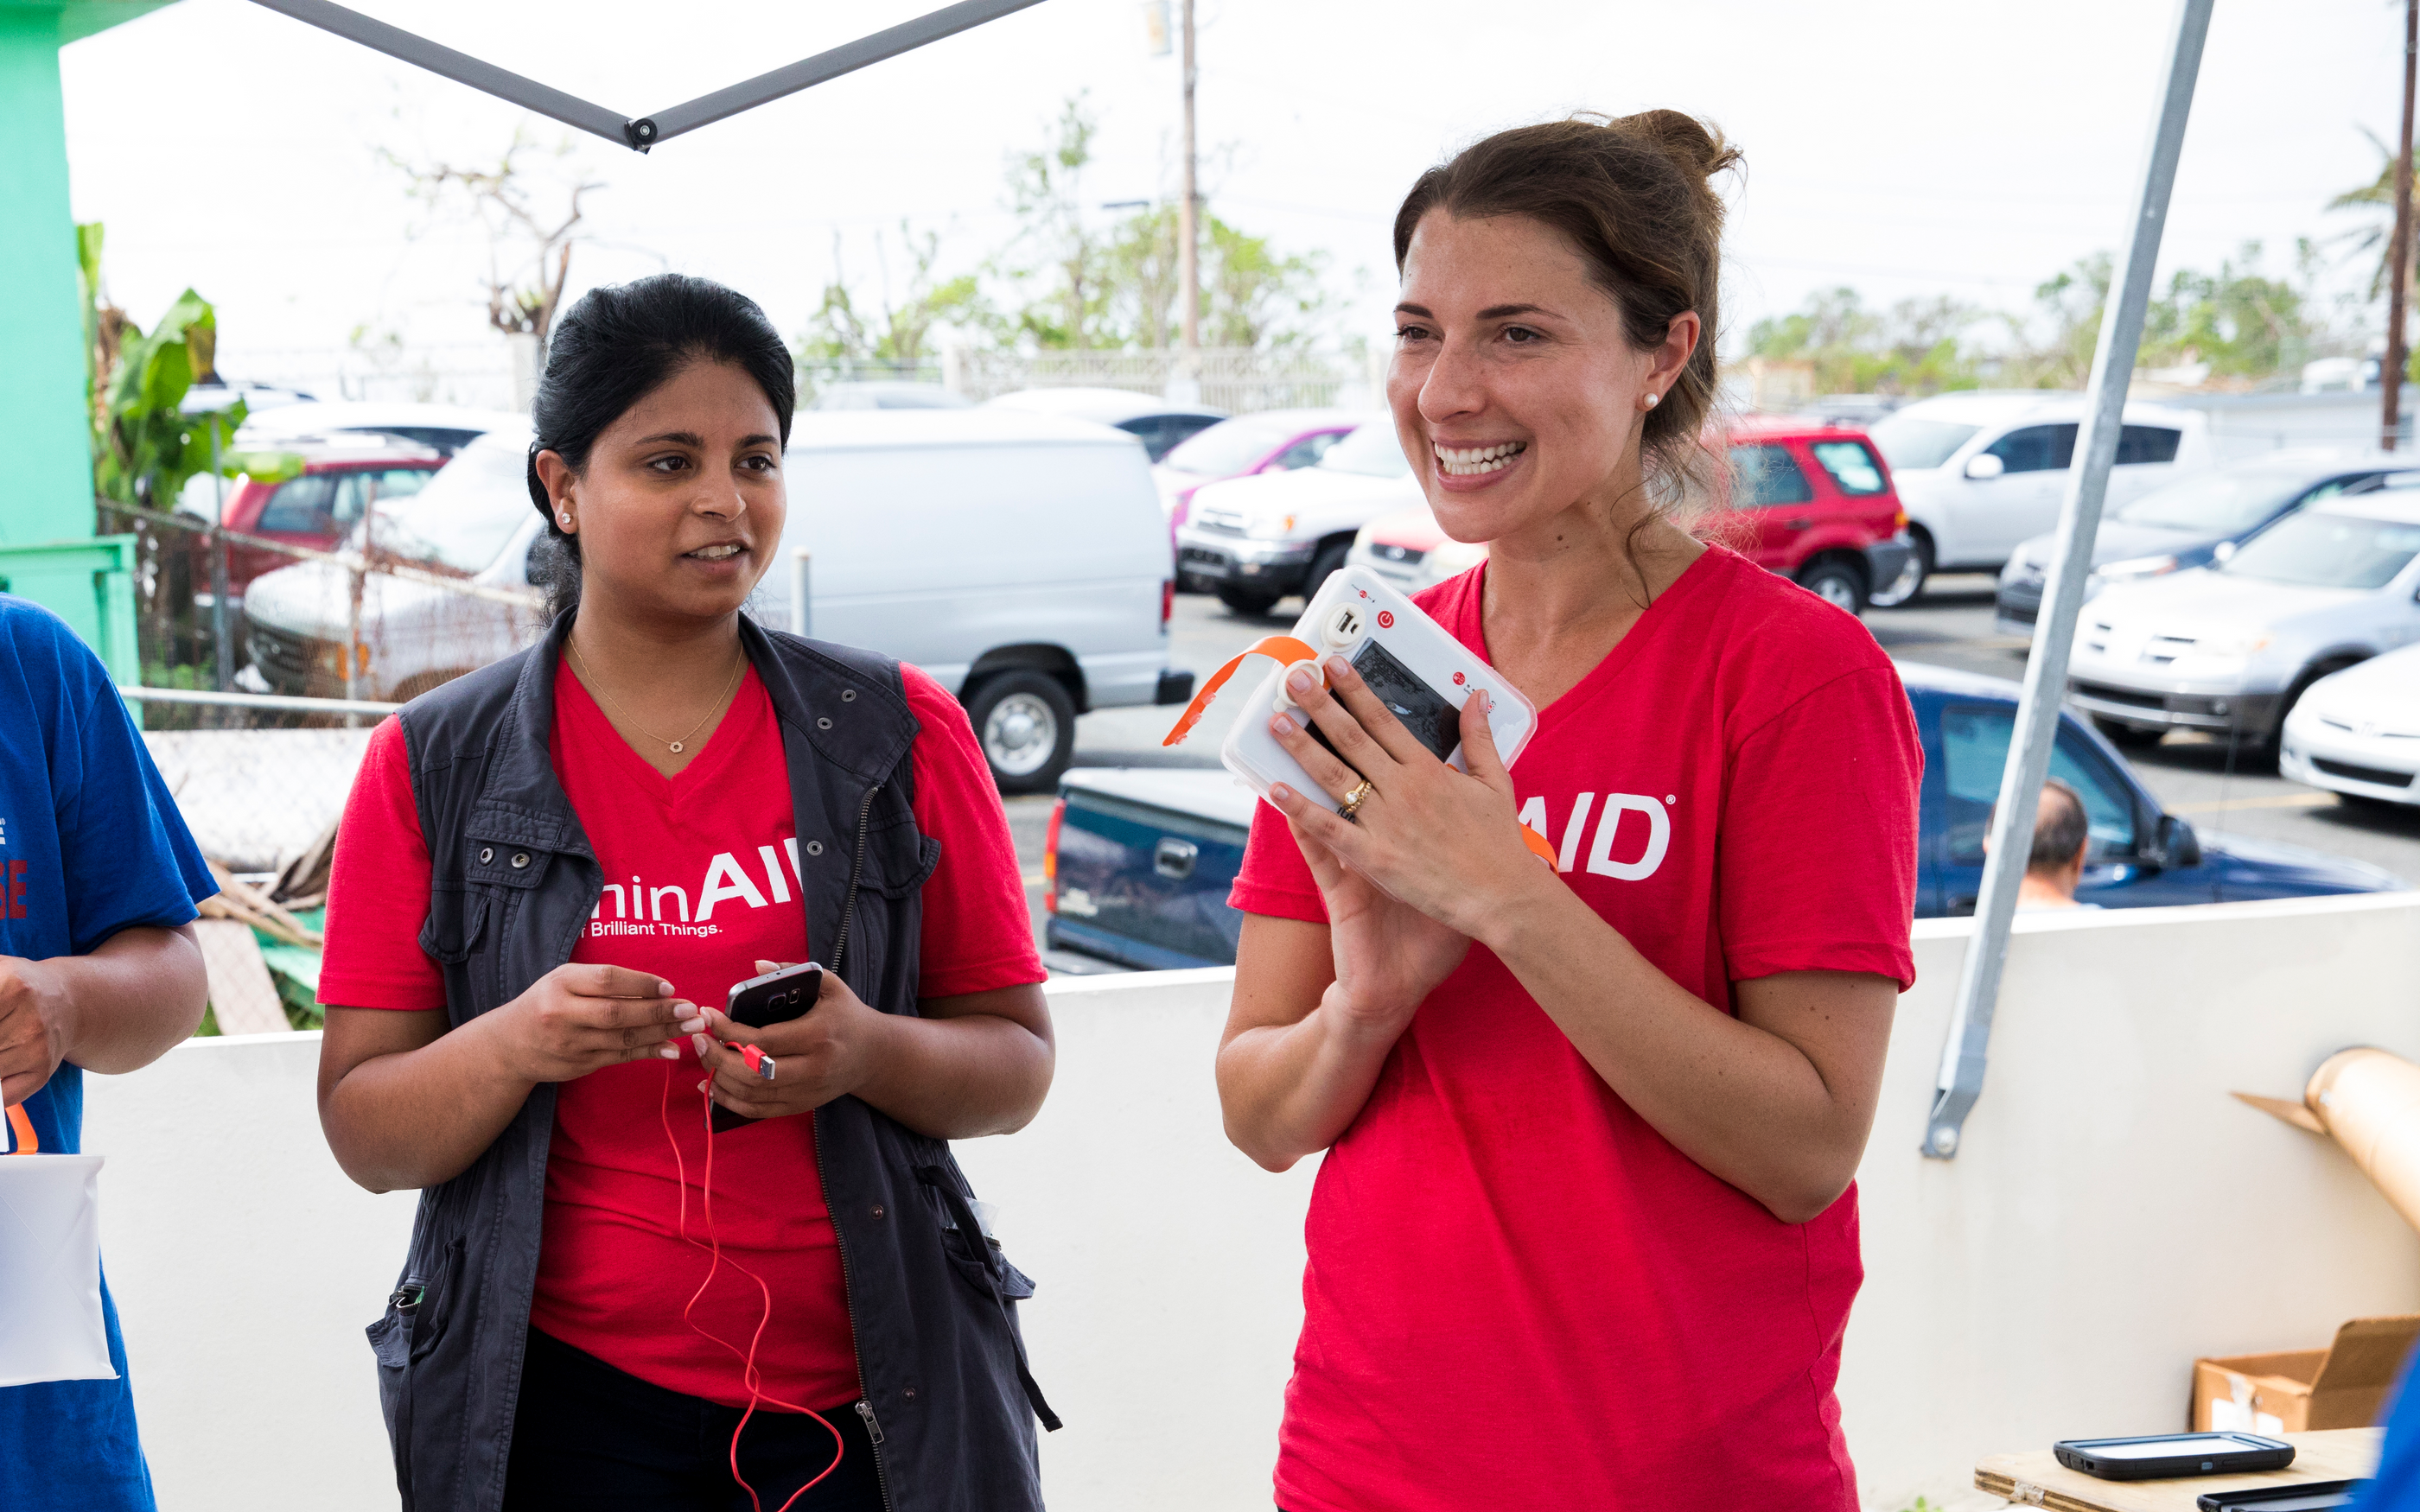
461 909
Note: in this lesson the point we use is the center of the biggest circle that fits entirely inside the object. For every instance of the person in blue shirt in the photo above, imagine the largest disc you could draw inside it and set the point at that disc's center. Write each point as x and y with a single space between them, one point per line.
98 971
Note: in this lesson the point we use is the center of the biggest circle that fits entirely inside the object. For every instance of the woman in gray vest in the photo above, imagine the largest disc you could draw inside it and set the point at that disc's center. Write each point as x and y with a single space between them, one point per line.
665 1260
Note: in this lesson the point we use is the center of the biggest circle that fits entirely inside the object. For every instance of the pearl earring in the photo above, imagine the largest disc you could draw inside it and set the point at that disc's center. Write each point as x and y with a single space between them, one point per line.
563 517
1653 400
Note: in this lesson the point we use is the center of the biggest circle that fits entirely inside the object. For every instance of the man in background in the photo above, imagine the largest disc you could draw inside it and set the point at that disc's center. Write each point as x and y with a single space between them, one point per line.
2062 837
98 971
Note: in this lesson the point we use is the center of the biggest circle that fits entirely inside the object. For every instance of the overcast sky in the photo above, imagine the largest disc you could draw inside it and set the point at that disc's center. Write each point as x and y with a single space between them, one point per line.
1908 147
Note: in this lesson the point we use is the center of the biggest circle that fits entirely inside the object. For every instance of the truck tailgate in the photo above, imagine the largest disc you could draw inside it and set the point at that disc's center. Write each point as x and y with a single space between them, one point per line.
1142 867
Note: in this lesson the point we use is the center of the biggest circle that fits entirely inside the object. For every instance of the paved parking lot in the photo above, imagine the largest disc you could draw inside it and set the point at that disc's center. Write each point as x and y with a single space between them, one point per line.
1951 626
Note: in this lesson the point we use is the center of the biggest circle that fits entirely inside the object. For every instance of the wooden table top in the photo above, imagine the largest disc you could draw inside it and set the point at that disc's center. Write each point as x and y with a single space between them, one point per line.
2038 1479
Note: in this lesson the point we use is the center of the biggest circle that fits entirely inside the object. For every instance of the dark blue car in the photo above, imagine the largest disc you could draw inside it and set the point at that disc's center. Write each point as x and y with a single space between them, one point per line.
1140 860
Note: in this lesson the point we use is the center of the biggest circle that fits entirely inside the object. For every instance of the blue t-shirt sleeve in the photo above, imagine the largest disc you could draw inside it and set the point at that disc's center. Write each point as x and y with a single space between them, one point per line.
126 854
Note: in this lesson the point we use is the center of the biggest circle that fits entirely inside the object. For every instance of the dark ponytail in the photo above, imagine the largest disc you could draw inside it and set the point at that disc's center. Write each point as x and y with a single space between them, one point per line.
619 345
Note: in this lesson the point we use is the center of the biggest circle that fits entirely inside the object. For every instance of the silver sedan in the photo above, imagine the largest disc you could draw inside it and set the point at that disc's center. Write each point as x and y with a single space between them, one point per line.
2231 647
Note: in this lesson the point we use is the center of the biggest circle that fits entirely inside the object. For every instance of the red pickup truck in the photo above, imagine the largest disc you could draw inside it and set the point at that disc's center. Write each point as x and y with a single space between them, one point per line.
1811 502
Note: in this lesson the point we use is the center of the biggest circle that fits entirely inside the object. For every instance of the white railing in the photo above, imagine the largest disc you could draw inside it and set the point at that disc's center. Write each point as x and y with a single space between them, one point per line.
2112 1214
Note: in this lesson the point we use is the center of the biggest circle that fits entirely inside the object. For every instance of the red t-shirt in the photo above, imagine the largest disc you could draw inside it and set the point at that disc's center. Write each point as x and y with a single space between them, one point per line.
1517 1290
698 871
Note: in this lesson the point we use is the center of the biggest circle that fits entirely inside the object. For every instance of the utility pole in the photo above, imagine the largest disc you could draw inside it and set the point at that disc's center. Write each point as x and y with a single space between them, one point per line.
1187 387
2389 372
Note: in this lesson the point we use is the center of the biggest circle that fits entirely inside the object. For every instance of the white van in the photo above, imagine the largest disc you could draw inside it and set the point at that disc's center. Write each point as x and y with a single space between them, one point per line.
1977 473
1020 559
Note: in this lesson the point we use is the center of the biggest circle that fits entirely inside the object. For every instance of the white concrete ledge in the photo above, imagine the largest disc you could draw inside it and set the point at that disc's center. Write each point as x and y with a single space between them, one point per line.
2113 1213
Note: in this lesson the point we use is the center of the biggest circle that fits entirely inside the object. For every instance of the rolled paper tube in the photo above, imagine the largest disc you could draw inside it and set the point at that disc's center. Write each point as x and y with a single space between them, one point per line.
2368 1101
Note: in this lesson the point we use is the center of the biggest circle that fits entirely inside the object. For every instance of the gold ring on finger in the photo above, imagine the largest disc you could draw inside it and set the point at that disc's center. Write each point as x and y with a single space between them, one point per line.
1351 806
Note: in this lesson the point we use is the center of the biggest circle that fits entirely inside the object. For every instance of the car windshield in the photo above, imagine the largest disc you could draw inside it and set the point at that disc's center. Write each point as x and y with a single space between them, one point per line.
465 516
2325 549
1230 446
1374 451
2214 504
1911 443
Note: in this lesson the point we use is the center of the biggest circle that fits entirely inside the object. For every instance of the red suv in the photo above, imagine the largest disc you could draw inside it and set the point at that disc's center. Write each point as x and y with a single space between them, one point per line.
1811 502
341 479
1814 502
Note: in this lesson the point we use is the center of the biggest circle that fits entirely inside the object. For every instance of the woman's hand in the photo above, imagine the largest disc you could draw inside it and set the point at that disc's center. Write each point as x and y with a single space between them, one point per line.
577 1019
36 1027
1441 844
829 1051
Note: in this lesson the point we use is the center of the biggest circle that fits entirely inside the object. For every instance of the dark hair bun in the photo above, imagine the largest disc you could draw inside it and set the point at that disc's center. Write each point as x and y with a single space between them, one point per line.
1697 145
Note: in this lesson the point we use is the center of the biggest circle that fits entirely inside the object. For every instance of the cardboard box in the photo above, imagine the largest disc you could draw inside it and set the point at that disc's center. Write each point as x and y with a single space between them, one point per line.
2294 1391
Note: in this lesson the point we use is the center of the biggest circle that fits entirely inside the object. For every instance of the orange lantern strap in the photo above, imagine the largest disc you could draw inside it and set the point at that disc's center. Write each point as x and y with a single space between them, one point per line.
1538 845
1284 649
26 1141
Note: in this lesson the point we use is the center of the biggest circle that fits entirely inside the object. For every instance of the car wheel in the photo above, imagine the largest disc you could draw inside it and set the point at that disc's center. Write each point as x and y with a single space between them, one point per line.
1836 582
1324 566
1904 588
2371 804
1026 724
2131 736
1246 600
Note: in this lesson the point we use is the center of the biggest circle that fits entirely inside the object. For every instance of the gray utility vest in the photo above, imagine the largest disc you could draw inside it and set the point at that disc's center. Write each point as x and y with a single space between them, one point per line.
948 1400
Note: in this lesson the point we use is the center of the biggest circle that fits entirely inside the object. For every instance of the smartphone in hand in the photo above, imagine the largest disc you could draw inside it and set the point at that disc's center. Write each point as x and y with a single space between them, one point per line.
760 1002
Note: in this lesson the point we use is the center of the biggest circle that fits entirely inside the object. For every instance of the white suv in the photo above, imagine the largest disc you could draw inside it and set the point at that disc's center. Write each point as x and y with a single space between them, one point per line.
1979 473
1255 539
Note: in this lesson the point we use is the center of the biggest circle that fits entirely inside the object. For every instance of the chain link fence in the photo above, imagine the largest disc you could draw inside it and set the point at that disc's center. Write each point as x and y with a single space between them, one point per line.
321 646
491 375
1237 379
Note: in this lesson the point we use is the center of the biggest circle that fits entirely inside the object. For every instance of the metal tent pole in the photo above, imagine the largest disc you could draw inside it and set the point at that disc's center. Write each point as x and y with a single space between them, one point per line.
1963 1058
645 132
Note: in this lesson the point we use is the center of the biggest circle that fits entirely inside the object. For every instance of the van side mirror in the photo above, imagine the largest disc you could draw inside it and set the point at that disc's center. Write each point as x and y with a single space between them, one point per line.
1983 465
2176 846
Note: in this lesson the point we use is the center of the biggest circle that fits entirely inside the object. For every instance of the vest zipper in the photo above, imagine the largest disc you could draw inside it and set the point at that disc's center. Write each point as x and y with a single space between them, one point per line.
856 869
823 1176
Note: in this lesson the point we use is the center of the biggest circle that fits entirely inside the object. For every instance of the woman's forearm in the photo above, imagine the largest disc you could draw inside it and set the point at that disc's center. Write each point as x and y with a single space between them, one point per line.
136 998
1742 1101
1289 1091
420 1116
960 1078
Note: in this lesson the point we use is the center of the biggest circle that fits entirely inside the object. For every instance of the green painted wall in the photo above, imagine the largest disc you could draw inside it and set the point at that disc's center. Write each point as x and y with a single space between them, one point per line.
46 490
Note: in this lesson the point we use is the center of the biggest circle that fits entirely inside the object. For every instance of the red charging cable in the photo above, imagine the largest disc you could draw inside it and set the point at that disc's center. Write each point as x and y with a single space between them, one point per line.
713 1246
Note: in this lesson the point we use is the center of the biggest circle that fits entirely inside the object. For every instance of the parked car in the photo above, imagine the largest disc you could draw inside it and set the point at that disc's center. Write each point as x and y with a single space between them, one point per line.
1139 862
1254 540
2183 524
444 429
886 394
344 475
2357 731
1016 558
1979 473
1160 426
1271 440
2231 647
1813 503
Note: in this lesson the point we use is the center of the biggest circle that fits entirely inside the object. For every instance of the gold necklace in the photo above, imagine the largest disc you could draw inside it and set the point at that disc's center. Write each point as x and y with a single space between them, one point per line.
580 666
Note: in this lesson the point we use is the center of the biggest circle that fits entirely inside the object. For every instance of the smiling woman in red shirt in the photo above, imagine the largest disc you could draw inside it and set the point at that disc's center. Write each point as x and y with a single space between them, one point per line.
1589 1129
549 873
